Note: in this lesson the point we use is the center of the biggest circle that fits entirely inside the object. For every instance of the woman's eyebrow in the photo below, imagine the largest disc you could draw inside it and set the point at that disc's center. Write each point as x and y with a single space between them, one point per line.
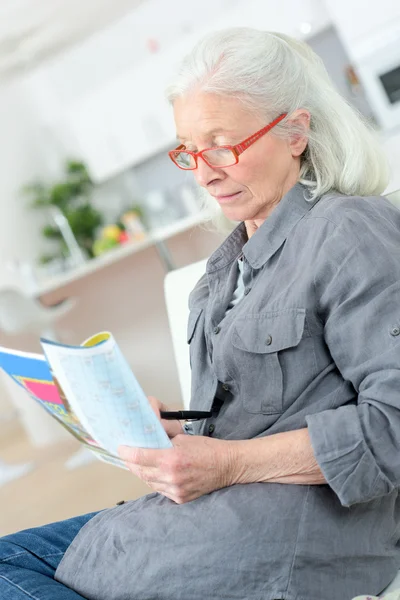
209 134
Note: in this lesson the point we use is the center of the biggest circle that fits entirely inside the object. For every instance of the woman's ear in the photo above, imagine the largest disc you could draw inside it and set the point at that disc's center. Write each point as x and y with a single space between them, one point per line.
300 120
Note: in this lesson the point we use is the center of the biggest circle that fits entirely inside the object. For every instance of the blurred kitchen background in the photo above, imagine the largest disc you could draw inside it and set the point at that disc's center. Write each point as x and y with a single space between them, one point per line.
93 213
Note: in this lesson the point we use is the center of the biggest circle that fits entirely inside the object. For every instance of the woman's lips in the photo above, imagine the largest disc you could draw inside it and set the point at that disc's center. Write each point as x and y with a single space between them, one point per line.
225 199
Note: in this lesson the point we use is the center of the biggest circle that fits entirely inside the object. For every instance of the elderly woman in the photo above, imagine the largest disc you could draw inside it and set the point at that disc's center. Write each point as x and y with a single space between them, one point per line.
290 488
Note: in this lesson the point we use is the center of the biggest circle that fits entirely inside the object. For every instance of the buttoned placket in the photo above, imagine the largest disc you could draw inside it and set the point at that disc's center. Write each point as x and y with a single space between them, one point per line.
224 389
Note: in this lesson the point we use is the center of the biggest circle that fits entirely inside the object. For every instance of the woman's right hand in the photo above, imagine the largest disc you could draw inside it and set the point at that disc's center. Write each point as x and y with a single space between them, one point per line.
172 428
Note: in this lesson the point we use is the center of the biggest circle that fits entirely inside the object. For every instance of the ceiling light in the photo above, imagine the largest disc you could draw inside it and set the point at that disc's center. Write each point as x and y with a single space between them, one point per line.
305 27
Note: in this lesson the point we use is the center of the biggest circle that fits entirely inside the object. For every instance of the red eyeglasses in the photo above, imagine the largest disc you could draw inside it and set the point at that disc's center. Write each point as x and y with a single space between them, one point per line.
221 156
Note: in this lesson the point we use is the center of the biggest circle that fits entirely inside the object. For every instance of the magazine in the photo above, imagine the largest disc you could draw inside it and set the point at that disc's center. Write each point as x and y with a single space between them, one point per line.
91 391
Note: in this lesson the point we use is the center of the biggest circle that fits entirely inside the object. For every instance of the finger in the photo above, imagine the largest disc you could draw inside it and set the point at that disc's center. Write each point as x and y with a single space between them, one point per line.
141 456
182 440
146 474
172 428
160 481
155 405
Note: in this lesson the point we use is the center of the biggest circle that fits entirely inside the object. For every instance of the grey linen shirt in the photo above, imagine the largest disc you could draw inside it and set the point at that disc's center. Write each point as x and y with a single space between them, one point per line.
314 342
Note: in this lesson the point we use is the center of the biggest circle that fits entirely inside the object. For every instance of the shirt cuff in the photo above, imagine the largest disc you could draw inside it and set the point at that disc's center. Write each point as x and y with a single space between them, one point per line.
344 458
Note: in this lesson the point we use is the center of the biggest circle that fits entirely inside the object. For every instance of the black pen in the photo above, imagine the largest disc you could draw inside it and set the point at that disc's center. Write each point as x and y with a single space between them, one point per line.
185 415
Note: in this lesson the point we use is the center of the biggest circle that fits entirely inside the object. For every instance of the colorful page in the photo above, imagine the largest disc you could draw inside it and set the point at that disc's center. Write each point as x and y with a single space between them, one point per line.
104 394
33 374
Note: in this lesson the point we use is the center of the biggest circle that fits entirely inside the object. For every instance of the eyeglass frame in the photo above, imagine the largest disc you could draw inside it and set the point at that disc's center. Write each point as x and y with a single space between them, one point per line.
236 150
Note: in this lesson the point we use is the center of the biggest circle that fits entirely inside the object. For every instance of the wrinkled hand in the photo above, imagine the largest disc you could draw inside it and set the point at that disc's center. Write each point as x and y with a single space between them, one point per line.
172 428
196 465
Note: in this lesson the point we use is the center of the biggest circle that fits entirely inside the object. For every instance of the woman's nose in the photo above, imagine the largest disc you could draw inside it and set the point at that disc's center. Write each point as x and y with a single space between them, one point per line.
204 174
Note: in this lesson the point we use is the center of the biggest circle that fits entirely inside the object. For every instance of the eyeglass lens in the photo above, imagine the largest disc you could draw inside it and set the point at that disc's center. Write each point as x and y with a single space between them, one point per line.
217 157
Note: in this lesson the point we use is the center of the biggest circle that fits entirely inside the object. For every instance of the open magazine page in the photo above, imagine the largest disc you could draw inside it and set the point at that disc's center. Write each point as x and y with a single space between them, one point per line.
104 394
32 372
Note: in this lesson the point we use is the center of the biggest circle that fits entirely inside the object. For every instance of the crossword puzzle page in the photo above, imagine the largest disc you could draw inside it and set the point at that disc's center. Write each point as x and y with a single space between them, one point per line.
104 395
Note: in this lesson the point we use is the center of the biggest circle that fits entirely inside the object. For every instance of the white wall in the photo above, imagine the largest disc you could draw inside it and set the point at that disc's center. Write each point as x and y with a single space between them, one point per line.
60 83
21 160
364 25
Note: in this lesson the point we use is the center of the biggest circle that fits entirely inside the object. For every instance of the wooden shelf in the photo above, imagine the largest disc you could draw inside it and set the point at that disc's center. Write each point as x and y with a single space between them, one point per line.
95 264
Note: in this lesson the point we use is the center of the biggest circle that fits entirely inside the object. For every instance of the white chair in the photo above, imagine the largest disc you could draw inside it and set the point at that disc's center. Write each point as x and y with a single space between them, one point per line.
395 585
394 197
20 313
177 286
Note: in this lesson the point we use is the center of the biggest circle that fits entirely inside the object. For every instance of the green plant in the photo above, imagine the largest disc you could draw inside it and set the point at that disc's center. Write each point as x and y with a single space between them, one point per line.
72 197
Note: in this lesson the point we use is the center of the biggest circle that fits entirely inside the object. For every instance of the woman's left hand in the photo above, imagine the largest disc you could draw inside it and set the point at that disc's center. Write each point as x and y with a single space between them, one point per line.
196 465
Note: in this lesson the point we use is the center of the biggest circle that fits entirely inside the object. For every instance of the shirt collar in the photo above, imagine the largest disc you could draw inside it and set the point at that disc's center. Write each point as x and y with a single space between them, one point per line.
269 237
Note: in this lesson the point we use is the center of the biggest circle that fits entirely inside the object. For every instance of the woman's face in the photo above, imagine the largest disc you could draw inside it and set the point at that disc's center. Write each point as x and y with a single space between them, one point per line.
249 190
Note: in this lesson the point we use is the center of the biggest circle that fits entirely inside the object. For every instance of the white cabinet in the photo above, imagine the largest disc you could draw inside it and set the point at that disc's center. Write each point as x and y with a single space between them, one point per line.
121 124
126 121
363 24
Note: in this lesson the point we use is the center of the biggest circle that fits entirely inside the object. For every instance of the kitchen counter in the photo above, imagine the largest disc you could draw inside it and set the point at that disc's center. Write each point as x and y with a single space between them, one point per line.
154 237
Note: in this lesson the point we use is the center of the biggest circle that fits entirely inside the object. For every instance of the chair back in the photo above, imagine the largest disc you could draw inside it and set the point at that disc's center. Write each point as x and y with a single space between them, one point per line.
18 312
394 197
177 286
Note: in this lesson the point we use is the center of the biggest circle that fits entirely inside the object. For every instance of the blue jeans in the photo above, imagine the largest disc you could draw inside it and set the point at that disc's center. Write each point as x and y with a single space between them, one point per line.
29 559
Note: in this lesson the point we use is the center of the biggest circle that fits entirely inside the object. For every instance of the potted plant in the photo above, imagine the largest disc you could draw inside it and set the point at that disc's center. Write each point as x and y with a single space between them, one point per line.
69 200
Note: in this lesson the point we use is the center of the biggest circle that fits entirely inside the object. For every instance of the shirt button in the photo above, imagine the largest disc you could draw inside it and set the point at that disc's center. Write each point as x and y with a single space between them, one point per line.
188 428
395 331
247 291
217 329
225 387
268 341
211 429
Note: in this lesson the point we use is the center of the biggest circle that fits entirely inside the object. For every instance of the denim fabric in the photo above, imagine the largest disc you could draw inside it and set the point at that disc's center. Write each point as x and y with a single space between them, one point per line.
314 342
29 559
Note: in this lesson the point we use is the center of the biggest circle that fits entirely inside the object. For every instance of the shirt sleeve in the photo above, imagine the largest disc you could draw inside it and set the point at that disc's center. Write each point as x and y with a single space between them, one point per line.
357 283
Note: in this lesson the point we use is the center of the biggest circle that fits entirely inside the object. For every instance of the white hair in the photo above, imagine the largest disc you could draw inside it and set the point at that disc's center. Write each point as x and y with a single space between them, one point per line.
272 73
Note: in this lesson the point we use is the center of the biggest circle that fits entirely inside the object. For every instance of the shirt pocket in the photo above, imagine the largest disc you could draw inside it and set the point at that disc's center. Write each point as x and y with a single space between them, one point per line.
193 319
260 342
